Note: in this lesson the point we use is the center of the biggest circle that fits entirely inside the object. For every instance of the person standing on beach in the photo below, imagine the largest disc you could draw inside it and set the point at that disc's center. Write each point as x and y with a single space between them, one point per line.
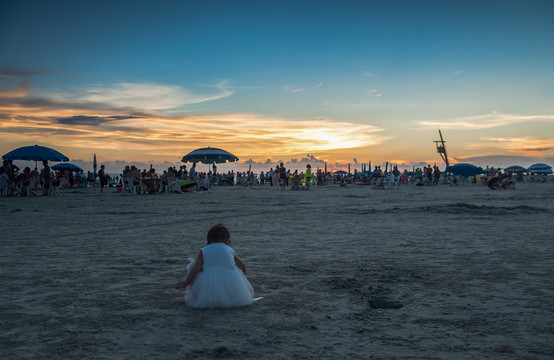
103 178
192 172
308 176
276 175
283 176
46 178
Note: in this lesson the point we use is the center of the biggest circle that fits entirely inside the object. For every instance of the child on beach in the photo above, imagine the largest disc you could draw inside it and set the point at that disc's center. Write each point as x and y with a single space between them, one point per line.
217 279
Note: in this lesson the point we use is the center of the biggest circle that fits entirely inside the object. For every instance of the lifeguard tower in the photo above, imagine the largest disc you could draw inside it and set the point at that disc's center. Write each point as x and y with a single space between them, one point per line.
441 149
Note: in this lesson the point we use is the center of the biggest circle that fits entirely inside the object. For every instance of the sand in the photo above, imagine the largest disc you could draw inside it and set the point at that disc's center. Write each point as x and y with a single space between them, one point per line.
444 272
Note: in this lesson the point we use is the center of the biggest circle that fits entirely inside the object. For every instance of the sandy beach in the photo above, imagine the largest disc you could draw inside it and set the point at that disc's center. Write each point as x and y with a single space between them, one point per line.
443 272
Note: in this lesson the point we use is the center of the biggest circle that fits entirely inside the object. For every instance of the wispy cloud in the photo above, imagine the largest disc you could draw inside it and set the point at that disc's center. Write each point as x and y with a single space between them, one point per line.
126 117
229 130
368 74
486 121
140 97
530 146
19 90
373 93
11 73
293 90
457 72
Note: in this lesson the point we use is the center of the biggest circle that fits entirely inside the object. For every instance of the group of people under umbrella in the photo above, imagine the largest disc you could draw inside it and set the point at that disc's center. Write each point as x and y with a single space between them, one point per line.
149 182
498 178
25 183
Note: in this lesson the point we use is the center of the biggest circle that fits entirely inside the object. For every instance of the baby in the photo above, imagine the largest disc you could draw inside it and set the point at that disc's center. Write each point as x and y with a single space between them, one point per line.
217 279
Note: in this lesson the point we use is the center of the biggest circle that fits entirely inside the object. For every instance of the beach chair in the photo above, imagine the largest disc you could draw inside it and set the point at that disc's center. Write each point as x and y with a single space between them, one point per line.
52 190
31 188
58 189
393 182
64 184
130 183
5 186
295 183
167 188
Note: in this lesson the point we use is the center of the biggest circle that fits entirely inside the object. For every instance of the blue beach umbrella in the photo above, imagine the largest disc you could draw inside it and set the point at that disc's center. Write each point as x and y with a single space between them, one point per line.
66 166
540 169
340 172
35 153
464 170
209 155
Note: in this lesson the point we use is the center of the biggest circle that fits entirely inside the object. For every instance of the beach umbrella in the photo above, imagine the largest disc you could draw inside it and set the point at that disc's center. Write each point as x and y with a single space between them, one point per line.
35 153
66 166
94 165
464 170
540 169
515 169
340 172
209 155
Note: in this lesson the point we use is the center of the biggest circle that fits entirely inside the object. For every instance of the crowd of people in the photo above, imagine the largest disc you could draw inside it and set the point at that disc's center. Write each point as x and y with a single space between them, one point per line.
34 182
13 181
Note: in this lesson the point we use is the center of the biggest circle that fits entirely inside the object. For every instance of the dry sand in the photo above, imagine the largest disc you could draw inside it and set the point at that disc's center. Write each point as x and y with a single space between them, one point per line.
90 275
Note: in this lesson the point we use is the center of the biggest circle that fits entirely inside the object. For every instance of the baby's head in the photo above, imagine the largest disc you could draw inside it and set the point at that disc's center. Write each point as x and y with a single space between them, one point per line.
219 234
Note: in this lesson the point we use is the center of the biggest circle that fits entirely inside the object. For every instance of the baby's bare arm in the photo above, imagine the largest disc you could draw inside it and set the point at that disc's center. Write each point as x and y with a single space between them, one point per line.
240 264
197 267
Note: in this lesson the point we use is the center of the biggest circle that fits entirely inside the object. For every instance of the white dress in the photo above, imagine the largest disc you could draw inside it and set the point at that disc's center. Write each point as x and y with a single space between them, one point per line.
220 284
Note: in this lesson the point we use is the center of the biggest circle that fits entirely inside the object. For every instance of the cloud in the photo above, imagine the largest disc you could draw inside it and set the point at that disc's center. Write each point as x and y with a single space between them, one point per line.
529 146
91 120
143 97
457 72
125 117
369 74
292 90
14 83
292 164
373 93
10 73
486 121
250 133
19 90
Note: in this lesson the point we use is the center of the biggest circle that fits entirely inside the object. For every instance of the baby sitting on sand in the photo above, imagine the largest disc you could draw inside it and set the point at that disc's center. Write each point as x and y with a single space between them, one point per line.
217 279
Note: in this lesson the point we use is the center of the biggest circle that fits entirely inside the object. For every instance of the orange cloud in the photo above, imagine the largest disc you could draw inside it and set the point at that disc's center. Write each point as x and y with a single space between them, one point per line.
251 134
128 119
529 146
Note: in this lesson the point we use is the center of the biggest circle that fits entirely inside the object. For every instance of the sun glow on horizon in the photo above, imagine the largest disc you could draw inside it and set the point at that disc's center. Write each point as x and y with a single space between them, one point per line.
156 135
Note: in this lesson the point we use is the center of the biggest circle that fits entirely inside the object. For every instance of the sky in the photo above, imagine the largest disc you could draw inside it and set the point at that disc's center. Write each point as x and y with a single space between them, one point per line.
336 82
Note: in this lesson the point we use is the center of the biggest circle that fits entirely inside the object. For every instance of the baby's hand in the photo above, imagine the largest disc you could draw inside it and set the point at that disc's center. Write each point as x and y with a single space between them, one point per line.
179 285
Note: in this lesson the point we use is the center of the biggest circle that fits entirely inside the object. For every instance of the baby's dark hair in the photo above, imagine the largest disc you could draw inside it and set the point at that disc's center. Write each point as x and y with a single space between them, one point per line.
218 233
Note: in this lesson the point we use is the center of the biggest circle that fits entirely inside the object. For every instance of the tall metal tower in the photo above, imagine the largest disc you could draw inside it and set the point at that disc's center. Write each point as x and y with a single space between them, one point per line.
441 149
